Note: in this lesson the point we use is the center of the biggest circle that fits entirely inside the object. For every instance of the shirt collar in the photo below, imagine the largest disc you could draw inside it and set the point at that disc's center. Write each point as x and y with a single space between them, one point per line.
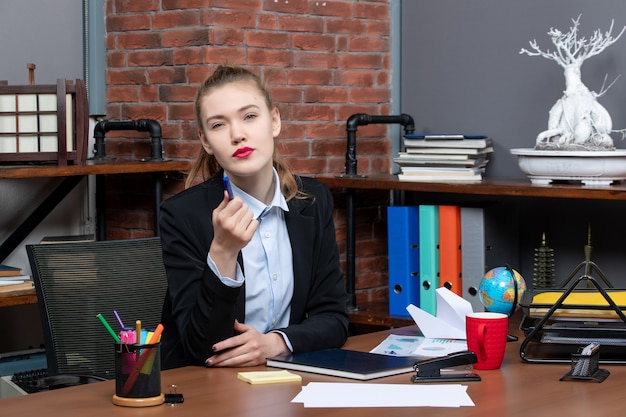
256 206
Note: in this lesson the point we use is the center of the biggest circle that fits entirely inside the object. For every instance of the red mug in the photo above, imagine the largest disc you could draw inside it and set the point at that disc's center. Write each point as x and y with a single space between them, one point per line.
486 336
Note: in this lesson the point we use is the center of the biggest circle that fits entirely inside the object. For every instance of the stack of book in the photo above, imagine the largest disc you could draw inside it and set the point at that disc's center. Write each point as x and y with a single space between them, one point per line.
444 157
12 279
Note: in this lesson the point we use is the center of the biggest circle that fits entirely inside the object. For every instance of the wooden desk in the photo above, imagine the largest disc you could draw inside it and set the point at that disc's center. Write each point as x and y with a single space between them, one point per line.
517 389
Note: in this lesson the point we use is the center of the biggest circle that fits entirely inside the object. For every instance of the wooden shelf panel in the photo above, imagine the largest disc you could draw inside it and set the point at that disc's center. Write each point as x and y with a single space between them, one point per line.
107 166
14 298
377 314
510 187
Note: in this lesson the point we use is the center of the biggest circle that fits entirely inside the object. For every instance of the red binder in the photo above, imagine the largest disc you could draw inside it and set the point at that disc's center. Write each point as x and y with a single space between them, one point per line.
450 260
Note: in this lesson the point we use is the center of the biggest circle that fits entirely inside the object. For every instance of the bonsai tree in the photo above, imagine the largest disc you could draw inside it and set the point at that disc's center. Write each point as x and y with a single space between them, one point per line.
576 121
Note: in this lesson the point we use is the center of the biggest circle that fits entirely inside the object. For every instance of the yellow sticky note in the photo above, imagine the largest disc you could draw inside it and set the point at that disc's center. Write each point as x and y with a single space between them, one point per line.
268 377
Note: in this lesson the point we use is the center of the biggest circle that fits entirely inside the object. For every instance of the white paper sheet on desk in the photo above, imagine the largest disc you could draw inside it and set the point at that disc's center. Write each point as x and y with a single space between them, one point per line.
437 347
419 346
331 394
450 320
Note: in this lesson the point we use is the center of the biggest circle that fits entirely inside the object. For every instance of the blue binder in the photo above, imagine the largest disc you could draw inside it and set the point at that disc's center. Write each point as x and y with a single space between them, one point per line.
429 257
403 259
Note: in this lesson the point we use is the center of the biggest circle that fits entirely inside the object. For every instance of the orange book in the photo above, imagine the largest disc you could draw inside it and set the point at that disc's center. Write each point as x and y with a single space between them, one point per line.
450 260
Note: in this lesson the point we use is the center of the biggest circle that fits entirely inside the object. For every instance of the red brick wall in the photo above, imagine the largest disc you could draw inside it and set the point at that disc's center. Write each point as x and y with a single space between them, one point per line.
322 60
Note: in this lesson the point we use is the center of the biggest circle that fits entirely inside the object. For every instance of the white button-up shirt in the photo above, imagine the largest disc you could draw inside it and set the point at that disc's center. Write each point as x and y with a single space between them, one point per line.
268 264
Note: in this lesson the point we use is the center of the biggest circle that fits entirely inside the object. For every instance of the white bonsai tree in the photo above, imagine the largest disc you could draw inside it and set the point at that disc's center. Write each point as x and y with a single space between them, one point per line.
576 121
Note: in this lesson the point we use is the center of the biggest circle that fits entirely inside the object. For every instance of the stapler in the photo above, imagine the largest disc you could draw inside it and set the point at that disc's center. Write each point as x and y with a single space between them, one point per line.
430 370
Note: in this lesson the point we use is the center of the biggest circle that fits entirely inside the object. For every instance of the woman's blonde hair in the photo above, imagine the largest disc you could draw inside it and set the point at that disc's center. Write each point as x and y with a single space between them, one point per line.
206 165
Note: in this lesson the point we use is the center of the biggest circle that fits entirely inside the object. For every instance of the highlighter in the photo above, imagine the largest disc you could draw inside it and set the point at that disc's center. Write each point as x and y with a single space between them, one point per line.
227 187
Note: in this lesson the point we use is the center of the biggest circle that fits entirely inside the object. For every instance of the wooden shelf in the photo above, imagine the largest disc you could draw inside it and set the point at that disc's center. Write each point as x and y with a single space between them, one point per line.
377 314
501 187
106 166
14 298
91 167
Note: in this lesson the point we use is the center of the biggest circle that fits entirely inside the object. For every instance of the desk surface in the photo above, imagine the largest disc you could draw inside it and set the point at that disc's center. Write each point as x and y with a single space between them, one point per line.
517 389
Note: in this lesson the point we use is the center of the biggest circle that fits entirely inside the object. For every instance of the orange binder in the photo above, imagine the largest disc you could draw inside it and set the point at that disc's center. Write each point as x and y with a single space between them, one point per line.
450 260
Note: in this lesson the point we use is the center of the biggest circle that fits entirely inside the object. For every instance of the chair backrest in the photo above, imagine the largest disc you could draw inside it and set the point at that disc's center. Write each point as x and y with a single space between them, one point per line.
77 281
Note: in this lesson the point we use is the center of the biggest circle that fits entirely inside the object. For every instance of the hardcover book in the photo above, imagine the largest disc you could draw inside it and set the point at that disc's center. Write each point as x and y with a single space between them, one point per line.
9 271
445 143
345 363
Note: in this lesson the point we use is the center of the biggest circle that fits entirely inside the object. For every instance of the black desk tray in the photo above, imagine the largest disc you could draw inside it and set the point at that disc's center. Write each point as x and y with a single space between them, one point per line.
563 320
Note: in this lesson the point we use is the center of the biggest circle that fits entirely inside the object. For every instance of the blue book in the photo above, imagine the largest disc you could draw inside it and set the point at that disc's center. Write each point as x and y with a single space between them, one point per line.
9 271
345 363
403 258
429 257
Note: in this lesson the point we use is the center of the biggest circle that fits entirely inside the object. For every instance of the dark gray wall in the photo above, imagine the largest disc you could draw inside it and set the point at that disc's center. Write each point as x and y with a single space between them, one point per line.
50 35
462 71
46 33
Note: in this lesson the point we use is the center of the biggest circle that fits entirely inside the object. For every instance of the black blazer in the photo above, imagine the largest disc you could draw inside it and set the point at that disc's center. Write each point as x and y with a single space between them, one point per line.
199 310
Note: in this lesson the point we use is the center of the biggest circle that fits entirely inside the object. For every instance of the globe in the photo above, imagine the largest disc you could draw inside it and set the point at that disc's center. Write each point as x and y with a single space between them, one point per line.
497 289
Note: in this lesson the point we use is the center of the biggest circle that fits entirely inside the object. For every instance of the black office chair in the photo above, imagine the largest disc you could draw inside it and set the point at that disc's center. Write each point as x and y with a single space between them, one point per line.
77 281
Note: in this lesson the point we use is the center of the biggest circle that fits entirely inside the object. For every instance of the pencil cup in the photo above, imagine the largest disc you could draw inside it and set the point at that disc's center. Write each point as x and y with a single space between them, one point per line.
585 367
138 375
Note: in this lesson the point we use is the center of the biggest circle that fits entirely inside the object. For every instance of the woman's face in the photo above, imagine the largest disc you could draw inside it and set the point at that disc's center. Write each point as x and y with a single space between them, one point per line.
239 129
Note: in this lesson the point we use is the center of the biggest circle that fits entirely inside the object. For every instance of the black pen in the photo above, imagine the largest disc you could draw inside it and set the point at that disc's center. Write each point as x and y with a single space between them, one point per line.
227 187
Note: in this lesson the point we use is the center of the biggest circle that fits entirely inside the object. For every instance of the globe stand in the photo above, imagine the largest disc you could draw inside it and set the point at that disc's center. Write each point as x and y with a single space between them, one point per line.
510 337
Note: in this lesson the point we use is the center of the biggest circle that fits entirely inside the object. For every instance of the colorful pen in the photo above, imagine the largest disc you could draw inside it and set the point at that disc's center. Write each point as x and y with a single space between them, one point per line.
156 335
143 359
108 327
228 187
138 332
119 320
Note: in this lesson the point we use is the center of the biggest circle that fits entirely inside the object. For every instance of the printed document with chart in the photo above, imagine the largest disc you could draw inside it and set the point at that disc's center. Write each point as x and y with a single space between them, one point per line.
440 335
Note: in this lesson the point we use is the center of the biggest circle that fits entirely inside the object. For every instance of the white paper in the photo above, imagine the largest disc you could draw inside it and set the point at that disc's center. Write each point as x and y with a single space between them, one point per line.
449 323
418 346
435 348
11 282
398 345
323 394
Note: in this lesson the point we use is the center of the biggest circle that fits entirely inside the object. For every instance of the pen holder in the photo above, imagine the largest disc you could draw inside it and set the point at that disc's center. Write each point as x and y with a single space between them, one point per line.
585 367
138 375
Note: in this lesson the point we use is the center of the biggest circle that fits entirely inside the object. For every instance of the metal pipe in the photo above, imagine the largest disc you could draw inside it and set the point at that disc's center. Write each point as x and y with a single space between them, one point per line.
362 119
354 121
142 125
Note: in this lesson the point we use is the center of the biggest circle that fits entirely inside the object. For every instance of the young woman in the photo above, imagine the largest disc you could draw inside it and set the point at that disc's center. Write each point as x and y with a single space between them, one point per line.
257 275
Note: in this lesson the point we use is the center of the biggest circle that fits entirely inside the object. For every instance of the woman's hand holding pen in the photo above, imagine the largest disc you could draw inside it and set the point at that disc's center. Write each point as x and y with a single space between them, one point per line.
234 225
248 348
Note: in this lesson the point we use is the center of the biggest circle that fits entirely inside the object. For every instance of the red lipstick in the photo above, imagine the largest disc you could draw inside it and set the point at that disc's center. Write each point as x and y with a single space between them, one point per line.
243 152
